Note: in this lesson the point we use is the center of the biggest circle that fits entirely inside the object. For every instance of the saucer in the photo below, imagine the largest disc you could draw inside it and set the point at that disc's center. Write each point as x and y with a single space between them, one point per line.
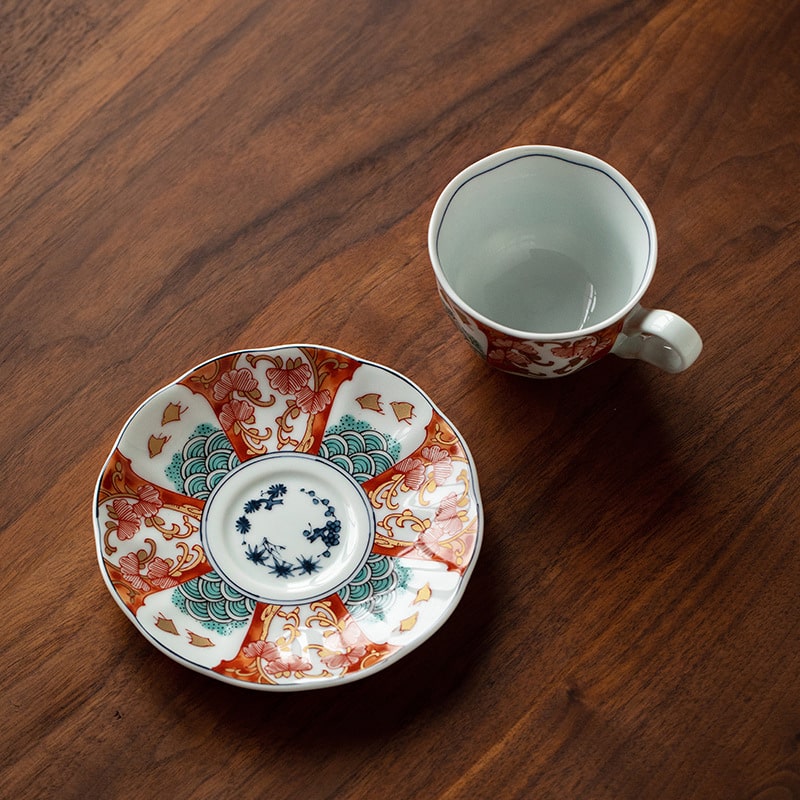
288 518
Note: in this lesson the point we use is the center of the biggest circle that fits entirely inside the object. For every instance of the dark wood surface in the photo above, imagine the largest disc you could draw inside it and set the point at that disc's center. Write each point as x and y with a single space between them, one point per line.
181 179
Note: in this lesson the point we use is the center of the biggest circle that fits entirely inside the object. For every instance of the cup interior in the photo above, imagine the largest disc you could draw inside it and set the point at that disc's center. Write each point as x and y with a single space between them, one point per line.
544 242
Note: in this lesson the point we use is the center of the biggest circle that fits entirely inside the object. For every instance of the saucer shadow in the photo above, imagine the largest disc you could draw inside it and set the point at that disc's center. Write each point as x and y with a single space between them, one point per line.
598 434
423 682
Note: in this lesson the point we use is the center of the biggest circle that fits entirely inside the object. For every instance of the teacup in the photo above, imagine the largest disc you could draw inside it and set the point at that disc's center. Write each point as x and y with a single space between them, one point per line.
541 256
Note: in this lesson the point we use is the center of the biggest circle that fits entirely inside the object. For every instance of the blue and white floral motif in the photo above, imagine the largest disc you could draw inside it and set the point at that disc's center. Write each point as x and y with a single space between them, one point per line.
267 553
215 604
359 449
204 460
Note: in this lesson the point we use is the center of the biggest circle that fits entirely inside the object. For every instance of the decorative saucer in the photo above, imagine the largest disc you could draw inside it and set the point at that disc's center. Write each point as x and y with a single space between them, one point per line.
288 518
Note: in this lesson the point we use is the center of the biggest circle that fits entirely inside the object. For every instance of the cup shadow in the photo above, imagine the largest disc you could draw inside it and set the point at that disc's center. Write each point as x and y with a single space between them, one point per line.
612 415
603 461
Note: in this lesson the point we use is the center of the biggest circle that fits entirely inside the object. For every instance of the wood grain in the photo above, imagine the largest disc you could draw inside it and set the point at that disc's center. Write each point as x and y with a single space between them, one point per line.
181 179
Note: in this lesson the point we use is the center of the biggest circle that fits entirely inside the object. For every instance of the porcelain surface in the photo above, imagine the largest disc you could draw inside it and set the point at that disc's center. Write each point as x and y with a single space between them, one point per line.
541 255
288 518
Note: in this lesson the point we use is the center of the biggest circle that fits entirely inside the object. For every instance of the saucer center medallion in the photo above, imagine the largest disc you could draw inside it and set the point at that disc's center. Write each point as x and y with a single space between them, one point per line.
288 528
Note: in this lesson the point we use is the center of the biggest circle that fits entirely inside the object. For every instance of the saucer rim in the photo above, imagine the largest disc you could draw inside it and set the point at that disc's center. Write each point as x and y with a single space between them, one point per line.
316 683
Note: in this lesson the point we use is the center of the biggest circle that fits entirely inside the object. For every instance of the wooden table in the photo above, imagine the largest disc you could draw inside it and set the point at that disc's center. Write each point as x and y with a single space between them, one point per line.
182 179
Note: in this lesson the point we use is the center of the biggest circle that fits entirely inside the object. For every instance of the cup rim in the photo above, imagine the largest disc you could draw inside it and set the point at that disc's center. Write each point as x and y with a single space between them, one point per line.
577 157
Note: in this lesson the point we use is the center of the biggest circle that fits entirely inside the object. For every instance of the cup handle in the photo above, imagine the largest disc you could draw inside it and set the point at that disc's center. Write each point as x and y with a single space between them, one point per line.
660 338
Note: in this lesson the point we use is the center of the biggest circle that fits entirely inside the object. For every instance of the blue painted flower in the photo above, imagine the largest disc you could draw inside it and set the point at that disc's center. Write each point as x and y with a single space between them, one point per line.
281 569
308 565
255 554
243 525
331 540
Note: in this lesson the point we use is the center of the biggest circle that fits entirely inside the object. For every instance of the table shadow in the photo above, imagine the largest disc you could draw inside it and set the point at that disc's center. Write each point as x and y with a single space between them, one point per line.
432 678
378 707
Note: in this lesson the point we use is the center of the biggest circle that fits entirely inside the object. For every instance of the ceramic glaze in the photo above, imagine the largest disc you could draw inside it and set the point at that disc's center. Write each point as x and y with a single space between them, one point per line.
541 255
287 528
288 518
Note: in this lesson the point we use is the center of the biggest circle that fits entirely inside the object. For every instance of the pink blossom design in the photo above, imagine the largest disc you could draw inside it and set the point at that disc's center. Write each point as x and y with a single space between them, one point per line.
446 518
130 568
289 379
430 543
348 646
274 660
158 573
127 518
235 380
261 649
441 461
312 402
129 515
514 357
237 411
149 501
290 663
446 524
583 348
414 472
518 353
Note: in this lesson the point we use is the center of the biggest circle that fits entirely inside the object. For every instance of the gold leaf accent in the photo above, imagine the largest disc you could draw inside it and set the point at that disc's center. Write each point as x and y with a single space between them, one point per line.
155 444
199 641
166 624
370 402
395 522
172 413
409 622
423 595
403 411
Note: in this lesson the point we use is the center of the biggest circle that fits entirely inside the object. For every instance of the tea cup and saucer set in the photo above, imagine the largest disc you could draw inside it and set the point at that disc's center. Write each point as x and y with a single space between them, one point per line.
294 517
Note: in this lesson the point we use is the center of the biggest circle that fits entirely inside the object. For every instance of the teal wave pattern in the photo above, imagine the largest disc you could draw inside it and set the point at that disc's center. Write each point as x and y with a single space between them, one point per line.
204 460
216 605
359 449
374 589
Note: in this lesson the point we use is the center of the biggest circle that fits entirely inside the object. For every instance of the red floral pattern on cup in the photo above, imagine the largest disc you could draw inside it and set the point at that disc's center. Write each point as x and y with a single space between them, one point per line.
531 357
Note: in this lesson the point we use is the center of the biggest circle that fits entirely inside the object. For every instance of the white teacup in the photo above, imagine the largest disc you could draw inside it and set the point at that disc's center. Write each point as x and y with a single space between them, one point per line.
541 256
